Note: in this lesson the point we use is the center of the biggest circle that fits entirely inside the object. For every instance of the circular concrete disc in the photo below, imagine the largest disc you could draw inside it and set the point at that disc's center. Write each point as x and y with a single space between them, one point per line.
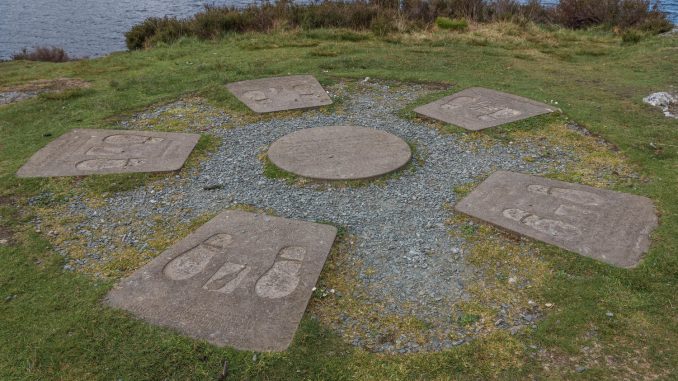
339 153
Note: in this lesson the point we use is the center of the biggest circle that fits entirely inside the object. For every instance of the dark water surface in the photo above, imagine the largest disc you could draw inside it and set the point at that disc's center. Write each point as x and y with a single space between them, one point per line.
97 27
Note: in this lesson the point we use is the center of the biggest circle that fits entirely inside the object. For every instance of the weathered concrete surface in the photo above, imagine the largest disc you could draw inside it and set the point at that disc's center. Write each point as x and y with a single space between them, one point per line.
280 93
478 108
611 227
241 280
340 153
86 152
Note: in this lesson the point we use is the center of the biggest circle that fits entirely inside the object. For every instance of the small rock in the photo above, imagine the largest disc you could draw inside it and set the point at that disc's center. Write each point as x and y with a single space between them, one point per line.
663 100
512 280
3 241
548 305
213 187
580 369
609 314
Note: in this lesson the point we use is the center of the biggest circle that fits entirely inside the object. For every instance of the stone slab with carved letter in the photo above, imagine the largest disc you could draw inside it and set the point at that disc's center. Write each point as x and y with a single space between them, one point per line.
478 108
91 151
280 93
611 227
340 153
241 280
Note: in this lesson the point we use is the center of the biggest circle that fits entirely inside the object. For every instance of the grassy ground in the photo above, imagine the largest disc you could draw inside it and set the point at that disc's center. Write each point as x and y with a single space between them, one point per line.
54 327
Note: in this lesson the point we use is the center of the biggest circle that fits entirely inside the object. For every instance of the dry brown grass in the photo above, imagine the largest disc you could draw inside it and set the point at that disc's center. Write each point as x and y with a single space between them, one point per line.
44 85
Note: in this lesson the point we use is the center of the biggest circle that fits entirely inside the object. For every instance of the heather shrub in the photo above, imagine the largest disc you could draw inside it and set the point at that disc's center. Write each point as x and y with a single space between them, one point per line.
466 9
655 23
505 10
533 10
357 15
385 16
620 13
383 25
154 30
215 22
46 54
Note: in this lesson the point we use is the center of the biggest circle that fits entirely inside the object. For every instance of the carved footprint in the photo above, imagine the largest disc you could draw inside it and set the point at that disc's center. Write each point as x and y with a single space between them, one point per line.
282 279
258 96
504 113
227 278
219 241
195 260
552 227
105 151
189 264
457 103
131 139
572 195
304 90
99 164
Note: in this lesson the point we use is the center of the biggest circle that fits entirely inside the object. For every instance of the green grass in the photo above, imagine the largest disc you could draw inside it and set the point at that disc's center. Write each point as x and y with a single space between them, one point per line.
451 24
53 326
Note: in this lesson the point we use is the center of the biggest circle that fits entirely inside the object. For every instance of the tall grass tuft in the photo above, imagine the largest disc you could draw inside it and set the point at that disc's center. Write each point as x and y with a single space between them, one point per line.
451 24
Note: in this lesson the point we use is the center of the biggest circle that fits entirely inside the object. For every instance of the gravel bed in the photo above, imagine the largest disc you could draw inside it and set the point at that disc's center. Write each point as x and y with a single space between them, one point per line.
8 97
418 268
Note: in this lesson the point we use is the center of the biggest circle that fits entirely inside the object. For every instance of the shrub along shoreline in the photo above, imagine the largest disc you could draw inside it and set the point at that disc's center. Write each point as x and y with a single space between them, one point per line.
386 16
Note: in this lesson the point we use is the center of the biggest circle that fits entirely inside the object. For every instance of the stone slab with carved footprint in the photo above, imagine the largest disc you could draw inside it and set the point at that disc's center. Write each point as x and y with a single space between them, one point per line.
478 108
86 152
611 227
241 280
280 93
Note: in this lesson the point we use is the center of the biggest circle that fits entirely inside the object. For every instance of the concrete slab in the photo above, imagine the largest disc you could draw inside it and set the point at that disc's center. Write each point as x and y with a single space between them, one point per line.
340 153
87 152
241 280
611 227
478 108
280 93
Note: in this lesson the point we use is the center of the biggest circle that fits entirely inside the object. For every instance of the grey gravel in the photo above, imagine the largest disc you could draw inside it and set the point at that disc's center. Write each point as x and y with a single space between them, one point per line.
415 266
8 97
